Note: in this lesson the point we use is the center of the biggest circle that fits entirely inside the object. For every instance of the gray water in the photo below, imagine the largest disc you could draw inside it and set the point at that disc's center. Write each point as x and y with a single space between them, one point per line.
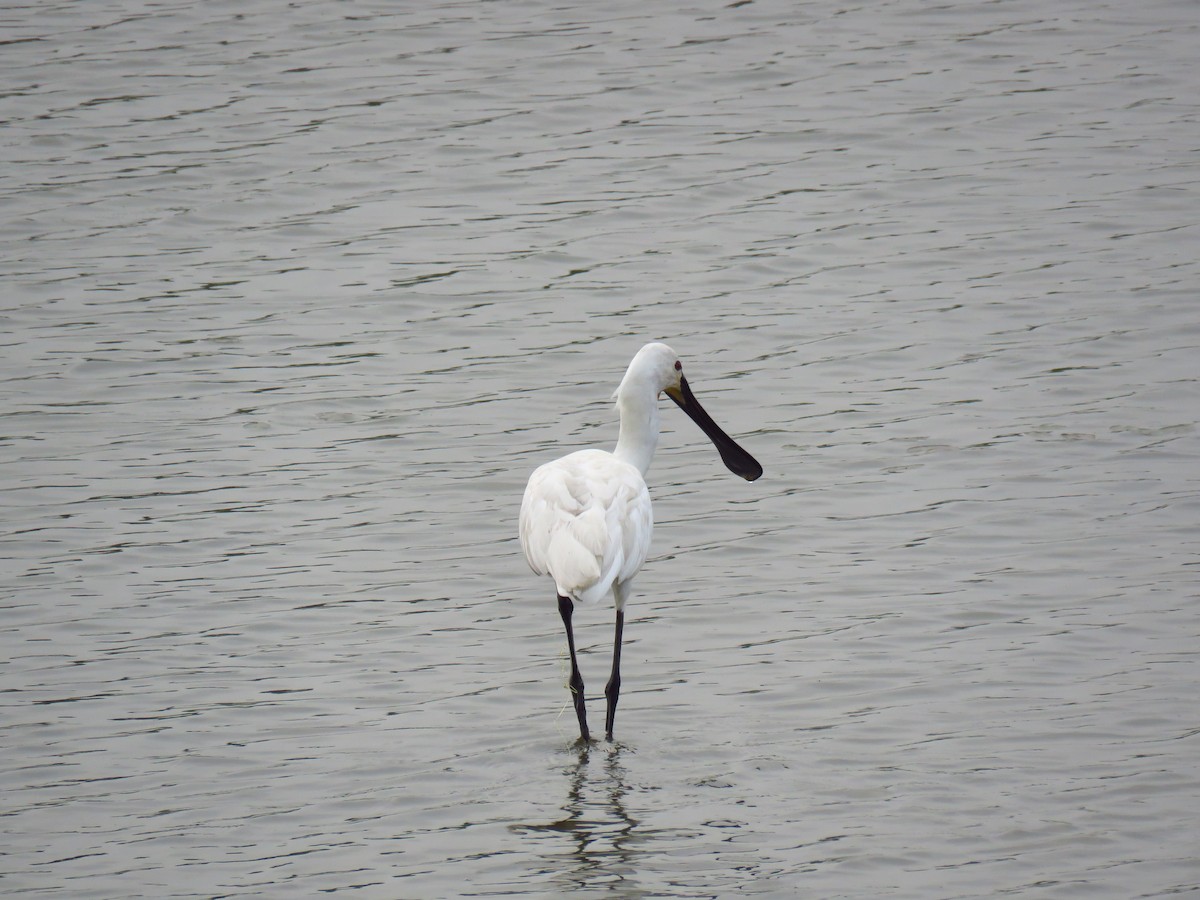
297 295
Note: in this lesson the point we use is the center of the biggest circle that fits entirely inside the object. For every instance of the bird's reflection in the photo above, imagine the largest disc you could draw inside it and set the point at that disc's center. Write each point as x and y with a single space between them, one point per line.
598 834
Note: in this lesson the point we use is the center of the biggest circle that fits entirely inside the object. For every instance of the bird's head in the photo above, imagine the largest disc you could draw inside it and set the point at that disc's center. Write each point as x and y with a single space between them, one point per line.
657 367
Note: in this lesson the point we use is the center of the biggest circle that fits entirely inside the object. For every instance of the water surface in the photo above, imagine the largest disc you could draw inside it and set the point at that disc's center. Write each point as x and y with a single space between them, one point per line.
298 296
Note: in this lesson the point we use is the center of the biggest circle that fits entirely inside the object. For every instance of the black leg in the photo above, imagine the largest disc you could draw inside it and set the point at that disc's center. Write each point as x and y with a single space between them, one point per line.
613 689
565 609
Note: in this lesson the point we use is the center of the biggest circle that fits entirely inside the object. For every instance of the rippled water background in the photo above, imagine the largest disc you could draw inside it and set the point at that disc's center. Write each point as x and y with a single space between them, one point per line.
296 295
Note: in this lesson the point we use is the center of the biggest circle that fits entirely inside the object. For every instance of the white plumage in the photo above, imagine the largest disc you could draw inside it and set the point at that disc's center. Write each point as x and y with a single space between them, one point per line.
586 519
586 522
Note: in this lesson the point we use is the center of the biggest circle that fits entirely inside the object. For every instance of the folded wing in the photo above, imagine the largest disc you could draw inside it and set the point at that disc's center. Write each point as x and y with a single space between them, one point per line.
586 521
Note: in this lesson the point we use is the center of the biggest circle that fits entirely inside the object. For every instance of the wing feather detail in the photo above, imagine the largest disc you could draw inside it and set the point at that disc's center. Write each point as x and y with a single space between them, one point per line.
586 521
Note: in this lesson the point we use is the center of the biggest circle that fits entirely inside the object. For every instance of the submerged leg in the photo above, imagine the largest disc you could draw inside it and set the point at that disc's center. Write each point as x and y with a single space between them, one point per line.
565 609
613 689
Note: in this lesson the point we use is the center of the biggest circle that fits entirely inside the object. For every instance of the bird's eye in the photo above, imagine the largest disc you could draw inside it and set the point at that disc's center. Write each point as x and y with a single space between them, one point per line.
678 366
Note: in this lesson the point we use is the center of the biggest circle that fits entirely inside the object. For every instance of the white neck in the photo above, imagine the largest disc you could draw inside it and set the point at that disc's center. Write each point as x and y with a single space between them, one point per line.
638 405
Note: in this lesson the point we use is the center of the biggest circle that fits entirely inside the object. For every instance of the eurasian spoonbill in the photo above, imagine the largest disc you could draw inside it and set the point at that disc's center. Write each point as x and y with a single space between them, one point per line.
586 518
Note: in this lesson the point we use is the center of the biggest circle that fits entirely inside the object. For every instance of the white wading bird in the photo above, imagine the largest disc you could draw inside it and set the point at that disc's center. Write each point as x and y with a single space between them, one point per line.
585 518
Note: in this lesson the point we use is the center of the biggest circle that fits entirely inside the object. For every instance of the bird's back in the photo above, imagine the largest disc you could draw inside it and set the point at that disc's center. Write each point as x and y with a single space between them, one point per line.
586 521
